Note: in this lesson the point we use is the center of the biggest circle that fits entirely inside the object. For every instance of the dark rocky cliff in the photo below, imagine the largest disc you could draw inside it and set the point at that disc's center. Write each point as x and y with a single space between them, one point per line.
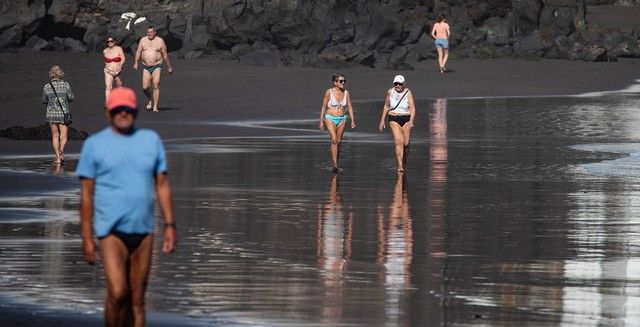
320 33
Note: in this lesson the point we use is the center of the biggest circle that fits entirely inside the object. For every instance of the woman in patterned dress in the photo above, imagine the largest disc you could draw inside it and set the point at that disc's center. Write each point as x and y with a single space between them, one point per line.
57 106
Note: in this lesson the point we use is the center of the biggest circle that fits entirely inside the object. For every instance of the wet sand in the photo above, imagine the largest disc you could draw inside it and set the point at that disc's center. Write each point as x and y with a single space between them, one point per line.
493 222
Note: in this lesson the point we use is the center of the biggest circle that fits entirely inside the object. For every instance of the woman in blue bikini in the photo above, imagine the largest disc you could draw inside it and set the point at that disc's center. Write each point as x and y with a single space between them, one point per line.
333 115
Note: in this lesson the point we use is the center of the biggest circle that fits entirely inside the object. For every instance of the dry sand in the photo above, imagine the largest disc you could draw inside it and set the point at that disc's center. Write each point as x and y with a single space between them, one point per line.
208 91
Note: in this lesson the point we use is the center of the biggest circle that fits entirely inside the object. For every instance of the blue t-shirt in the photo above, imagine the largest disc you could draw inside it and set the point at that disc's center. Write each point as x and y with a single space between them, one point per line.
123 168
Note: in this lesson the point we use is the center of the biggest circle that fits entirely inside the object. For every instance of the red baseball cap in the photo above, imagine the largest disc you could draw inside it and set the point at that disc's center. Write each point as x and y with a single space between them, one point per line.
122 97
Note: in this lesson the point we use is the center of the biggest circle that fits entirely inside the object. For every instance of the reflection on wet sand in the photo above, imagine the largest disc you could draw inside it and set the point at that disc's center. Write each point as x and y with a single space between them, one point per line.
605 227
436 209
395 251
58 170
334 249
502 230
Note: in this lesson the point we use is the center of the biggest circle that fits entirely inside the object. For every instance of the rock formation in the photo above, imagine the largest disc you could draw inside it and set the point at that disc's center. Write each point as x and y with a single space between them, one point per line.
319 33
41 132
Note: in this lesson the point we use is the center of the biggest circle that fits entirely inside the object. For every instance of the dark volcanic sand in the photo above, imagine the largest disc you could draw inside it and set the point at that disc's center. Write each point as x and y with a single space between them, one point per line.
493 225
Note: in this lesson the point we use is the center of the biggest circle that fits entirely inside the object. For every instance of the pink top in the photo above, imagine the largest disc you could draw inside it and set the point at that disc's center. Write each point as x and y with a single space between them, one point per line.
441 30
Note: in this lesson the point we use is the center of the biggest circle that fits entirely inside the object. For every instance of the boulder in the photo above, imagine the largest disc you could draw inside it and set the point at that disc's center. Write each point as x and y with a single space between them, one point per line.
292 33
416 25
197 38
41 132
616 44
459 20
585 36
561 48
239 50
115 7
464 51
398 55
415 29
195 54
623 49
381 58
634 48
423 49
498 30
343 35
338 56
344 51
504 51
327 63
378 25
96 28
63 11
558 20
534 44
292 58
11 37
331 57
261 54
37 44
397 59
20 12
73 45
525 16
610 39
486 52
366 58
590 52
474 36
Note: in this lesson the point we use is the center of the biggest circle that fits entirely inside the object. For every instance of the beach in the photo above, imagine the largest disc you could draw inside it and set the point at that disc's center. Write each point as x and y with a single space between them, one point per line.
202 90
490 223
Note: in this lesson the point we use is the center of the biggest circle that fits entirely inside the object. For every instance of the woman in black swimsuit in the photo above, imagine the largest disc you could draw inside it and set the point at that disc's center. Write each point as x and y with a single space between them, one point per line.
401 110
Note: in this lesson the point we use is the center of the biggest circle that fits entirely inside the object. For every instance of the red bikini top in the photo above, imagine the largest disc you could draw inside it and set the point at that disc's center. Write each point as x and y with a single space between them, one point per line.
114 59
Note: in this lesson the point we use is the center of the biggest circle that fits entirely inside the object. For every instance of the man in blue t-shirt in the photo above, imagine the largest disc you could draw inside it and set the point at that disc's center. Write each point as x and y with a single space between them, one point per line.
118 169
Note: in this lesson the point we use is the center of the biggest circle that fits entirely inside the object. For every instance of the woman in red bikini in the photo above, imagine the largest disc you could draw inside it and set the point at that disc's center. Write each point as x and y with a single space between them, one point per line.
113 62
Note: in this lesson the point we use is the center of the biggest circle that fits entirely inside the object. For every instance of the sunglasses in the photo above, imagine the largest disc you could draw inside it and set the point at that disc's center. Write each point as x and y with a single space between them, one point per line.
341 80
398 84
111 41
118 110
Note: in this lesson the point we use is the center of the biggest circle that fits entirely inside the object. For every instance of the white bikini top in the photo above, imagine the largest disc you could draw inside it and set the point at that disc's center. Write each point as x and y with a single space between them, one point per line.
333 103
403 107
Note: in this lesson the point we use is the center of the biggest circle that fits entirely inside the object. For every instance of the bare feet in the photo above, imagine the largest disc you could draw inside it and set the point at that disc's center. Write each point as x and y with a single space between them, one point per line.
149 106
156 110
401 170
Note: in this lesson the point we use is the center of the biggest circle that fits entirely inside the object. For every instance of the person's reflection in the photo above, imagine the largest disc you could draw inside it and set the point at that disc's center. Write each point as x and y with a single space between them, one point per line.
57 170
395 249
436 233
334 248
438 153
438 160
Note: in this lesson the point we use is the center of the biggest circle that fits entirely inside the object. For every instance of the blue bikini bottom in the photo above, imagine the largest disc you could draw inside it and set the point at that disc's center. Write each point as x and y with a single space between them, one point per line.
336 120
